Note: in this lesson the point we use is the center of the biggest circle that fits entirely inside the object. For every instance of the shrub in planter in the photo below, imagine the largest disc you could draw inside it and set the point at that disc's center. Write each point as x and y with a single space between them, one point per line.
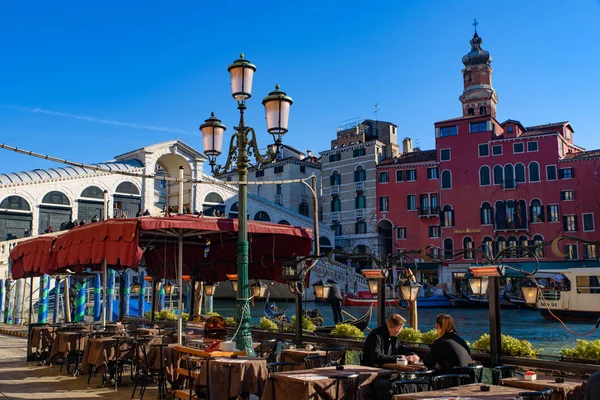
347 331
585 349
510 346
307 325
410 335
213 314
230 321
266 324
429 337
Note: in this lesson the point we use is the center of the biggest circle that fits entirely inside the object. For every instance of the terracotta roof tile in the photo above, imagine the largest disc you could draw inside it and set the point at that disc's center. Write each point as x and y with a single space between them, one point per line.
582 155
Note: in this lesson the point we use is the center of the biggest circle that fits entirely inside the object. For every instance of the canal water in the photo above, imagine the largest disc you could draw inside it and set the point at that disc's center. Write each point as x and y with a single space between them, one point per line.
550 336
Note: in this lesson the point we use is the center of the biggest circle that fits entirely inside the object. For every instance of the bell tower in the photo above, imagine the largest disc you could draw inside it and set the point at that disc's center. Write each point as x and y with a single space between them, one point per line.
478 97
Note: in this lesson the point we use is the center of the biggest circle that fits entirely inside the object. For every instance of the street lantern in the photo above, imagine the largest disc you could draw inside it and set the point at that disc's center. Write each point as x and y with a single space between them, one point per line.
479 285
135 288
530 293
212 137
168 288
290 271
321 290
259 289
233 278
277 108
410 290
209 288
241 73
373 277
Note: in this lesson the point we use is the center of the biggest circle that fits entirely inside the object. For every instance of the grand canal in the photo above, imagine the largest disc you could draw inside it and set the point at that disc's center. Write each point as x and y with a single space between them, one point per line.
549 336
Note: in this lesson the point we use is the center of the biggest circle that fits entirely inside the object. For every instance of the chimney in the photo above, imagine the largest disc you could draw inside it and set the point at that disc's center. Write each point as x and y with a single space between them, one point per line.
308 153
407 145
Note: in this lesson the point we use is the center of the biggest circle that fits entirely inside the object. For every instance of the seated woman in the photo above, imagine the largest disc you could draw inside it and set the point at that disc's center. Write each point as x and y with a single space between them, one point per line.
449 350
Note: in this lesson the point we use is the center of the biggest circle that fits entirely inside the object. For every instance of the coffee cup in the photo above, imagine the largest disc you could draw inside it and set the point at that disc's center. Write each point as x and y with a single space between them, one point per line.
402 361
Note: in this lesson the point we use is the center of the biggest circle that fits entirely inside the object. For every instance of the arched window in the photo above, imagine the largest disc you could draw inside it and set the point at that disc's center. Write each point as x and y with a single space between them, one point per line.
213 205
509 176
335 179
283 222
524 242
262 216
536 211
534 172
360 227
512 242
500 214
14 203
447 216
471 111
482 110
484 176
500 244
336 204
448 249
446 180
360 201
498 175
93 192
325 245
303 209
486 214
360 175
128 188
520 173
258 189
233 210
538 240
469 254
511 212
488 246
521 214
55 197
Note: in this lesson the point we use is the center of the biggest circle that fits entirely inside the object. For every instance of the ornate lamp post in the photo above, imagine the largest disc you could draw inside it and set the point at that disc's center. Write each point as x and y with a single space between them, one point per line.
376 279
242 145
410 291
292 273
209 291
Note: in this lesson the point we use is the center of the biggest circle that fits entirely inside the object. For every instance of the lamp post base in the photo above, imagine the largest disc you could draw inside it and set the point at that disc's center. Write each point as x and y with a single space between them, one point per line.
243 339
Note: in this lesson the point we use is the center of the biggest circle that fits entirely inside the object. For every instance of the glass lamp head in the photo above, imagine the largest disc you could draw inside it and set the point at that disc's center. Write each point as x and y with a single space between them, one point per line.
530 293
241 73
233 278
479 285
212 137
259 289
277 108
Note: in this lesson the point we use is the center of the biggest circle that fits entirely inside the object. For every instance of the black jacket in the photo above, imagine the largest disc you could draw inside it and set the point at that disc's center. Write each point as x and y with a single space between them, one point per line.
335 293
448 351
377 348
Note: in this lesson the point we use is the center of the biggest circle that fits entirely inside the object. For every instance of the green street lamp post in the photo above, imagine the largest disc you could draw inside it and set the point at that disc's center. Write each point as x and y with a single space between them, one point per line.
243 144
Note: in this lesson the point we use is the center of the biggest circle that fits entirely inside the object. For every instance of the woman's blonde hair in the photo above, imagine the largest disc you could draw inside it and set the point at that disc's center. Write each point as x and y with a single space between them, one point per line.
446 324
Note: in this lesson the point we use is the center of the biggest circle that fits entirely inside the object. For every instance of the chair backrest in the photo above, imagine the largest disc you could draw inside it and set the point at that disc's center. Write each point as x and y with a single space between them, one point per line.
268 350
280 366
349 383
545 394
474 371
502 372
404 386
448 380
315 361
335 355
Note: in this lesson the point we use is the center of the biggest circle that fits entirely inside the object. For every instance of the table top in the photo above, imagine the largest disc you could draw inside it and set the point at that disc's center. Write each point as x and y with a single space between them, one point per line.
543 381
465 392
202 353
408 367
305 352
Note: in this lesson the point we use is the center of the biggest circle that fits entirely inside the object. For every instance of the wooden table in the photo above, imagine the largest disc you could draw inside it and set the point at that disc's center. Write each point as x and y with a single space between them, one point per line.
298 356
100 351
41 338
67 341
233 376
560 391
316 384
465 392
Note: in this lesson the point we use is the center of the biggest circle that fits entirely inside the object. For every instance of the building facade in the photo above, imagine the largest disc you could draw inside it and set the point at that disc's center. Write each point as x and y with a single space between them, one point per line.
348 171
492 185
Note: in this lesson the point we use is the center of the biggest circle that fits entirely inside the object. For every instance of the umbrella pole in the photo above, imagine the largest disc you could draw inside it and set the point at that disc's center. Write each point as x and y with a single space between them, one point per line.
67 303
180 267
105 303
30 300
154 285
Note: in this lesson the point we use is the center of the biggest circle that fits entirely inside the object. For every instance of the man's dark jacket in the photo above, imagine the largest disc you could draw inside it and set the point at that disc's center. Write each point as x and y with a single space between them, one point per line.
335 293
377 348
448 351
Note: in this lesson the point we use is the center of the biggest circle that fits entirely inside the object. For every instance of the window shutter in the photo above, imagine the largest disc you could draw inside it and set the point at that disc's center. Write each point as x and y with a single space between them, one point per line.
562 195
572 172
452 217
542 217
481 214
531 219
575 224
565 223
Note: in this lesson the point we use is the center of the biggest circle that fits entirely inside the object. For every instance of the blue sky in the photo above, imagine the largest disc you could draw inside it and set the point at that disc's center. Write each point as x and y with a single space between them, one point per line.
153 72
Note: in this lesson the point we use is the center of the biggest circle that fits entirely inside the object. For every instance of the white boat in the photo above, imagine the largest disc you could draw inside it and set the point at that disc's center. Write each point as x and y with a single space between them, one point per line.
571 294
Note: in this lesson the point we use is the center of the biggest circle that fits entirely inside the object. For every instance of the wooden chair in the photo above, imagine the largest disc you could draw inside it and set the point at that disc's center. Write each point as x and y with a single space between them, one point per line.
350 386
335 355
189 375
448 380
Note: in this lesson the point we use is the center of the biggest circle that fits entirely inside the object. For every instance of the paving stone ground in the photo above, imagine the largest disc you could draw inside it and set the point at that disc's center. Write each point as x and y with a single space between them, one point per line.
21 380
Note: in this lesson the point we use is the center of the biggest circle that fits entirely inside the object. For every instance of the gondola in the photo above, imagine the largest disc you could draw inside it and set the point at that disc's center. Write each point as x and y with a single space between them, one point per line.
361 323
275 316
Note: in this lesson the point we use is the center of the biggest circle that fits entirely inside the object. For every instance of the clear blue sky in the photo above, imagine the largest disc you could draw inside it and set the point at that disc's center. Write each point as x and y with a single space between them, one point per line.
164 65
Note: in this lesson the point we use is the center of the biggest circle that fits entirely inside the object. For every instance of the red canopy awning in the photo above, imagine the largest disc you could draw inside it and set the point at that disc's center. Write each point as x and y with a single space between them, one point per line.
31 257
209 246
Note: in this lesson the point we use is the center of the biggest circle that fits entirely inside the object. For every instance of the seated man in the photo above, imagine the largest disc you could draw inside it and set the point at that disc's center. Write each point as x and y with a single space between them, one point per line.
382 345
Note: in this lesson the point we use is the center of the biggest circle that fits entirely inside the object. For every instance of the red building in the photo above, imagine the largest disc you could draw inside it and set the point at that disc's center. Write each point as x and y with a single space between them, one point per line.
491 183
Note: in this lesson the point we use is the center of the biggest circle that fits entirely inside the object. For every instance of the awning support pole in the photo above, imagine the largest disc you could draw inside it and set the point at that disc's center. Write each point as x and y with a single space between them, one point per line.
180 267
104 302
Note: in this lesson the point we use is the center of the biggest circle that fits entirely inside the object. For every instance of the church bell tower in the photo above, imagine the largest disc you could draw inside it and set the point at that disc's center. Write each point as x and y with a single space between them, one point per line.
478 97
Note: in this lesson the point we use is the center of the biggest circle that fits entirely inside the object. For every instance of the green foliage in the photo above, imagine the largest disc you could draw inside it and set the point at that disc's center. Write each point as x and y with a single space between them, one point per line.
510 346
230 321
267 324
429 336
586 349
410 335
307 325
166 315
347 330
213 314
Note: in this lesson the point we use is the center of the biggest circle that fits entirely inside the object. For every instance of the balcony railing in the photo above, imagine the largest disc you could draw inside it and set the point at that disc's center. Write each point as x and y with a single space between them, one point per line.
359 213
278 199
359 186
334 216
510 226
334 190
426 212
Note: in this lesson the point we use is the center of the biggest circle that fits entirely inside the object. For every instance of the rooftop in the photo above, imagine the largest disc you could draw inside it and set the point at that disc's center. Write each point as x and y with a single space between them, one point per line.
412 157
582 155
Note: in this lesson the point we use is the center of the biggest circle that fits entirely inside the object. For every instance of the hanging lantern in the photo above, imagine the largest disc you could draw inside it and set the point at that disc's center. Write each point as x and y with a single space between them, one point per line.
209 288
321 290
373 277
233 278
410 290
259 289
290 271
135 288
168 288
530 293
